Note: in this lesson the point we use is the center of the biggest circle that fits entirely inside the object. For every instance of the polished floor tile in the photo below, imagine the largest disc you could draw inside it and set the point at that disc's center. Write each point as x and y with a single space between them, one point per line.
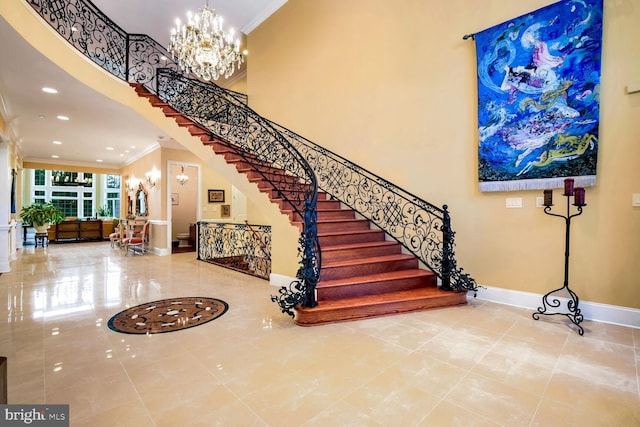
482 364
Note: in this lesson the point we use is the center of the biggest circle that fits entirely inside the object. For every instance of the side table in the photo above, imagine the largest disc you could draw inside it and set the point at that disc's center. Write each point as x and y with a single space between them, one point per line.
43 238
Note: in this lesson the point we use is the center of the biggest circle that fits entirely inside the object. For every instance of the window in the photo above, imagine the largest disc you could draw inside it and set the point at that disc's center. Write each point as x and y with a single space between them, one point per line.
39 177
69 207
88 208
74 192
112 199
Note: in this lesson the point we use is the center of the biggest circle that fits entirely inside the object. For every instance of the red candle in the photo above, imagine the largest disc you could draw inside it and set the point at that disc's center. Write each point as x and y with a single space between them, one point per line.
579 196
548 197
568 187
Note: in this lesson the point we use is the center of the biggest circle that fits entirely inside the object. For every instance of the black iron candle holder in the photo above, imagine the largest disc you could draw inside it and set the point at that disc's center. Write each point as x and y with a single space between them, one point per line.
551 301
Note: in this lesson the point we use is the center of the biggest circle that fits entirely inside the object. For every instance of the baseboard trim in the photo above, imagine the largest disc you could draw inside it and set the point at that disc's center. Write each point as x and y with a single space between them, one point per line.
605 313
597 312
280 280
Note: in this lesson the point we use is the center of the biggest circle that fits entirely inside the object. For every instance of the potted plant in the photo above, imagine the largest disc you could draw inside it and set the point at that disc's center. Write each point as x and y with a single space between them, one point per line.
103 211
40 215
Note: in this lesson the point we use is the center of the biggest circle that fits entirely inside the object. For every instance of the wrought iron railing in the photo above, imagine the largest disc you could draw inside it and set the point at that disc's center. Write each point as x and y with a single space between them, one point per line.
422 228
240 247
262 148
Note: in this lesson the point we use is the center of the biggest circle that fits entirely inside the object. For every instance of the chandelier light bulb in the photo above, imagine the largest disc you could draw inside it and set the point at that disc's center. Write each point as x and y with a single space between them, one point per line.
203 48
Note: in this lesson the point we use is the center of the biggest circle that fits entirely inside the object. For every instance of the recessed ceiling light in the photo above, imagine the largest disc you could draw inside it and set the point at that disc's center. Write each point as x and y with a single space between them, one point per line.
62 117
49 90
99 160
133 146
126 151
109 148
121 155
55 156
57 142
41 116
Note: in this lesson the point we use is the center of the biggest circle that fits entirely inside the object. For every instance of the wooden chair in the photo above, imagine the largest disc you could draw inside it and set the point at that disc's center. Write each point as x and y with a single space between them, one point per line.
116 237
137 242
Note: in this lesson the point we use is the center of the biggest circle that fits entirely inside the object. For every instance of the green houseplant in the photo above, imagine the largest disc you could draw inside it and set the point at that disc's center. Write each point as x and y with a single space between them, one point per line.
40 215
103 211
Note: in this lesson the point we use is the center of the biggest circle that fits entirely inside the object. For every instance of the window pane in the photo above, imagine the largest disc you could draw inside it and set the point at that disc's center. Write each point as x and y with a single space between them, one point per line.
64 194
68 207
39 177
87 194
88 208
113 181
113 195
39 192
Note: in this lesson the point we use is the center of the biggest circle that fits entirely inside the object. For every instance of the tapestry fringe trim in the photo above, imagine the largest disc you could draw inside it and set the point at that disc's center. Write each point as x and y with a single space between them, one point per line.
536 184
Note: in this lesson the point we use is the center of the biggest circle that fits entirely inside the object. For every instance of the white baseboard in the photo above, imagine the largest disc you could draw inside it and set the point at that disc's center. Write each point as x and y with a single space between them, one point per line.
280 280
160 252
594 311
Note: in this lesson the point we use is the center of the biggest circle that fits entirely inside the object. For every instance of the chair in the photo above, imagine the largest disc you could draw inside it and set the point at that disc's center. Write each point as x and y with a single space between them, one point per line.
116 237
137 242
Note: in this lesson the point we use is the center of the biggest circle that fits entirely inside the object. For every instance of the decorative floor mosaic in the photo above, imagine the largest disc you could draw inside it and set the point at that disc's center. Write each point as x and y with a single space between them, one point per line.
167 315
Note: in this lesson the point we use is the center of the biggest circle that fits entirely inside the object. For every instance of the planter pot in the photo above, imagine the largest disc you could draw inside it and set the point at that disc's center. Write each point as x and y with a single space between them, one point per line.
41 228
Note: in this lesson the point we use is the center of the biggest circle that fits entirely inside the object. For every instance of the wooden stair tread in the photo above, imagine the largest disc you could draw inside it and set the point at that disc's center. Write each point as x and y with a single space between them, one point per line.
389 297
343 232
367 260
348 246
380 277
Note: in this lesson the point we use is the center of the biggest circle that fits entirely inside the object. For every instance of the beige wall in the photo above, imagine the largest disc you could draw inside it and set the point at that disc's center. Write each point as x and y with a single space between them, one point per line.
392 87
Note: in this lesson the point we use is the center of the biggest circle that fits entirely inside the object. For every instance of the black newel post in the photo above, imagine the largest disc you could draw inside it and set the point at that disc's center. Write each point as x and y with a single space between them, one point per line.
447 250
551 302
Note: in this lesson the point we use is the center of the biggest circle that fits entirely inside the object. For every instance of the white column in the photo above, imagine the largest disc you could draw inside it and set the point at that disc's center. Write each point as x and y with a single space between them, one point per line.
5 208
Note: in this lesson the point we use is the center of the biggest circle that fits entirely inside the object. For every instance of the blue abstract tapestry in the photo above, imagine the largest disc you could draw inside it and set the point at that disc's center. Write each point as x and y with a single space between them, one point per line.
538 97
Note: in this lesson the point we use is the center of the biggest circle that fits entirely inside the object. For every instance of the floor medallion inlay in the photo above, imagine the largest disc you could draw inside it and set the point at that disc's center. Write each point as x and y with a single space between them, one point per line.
167 315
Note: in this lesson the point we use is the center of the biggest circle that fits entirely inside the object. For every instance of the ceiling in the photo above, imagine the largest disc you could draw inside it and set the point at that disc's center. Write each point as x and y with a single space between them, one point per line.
101 133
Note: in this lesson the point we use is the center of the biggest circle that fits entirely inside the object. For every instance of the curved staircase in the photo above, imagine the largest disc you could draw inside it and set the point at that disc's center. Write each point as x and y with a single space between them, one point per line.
362 274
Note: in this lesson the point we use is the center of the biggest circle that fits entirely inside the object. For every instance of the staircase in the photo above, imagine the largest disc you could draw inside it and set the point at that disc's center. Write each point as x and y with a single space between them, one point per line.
362 274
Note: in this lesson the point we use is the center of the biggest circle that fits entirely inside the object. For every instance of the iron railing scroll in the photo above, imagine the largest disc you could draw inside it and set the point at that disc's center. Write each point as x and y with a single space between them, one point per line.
89 30
240 247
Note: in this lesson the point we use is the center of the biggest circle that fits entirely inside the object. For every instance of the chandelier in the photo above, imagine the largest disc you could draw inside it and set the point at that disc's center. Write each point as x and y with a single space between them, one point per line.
203 48
182 177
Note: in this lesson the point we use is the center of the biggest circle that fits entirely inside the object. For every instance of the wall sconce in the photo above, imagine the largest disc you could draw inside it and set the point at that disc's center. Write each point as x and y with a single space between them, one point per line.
182 177
131 184
152 177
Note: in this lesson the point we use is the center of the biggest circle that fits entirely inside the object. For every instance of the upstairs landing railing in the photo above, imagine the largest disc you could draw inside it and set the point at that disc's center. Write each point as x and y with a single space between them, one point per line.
421 227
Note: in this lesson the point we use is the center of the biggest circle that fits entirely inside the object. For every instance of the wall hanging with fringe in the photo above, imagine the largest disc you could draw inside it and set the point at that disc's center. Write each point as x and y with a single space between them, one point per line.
538 97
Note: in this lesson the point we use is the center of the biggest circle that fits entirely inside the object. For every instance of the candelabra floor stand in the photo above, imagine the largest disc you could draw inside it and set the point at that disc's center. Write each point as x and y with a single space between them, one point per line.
553 301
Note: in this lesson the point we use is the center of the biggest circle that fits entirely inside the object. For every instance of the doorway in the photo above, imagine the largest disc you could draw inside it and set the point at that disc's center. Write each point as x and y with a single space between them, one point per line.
183 203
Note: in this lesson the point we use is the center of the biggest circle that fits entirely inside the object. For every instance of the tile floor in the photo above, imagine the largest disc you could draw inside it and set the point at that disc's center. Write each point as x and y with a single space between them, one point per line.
482 364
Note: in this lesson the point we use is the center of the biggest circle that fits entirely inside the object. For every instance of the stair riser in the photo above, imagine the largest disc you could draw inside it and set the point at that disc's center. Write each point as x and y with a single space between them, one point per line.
356 224
344 214
377 310
338 214
348 238
297 195
374 288
363 252
345 271
328 204
257 176
285 180
233 157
